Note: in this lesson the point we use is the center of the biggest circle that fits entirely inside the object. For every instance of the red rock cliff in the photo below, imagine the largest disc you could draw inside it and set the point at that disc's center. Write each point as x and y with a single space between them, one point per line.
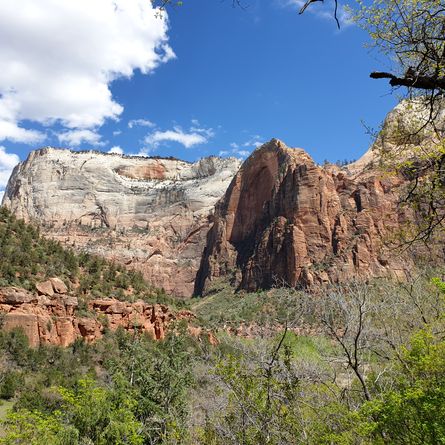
286 220
50 317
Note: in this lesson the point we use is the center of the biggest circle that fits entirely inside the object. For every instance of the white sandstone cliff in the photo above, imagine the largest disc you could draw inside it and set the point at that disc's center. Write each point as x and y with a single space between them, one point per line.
149 213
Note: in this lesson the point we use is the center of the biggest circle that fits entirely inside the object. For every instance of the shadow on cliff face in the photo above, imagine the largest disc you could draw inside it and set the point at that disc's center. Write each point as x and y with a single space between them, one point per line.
285 219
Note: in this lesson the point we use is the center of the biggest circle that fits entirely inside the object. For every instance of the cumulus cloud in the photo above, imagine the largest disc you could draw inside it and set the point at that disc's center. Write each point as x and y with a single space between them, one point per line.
194 136
78 137
13 132
59 58
7 163
116 149
141 123
146 152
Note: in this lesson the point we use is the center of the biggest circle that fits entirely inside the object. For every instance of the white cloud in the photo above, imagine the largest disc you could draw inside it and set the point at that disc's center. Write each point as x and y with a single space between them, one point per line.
59 58
242 149
176 135
78 137
146 151
141 123
117 132
11 131
7 163
116 149
208 133
253 141
237 153
194 136
2 193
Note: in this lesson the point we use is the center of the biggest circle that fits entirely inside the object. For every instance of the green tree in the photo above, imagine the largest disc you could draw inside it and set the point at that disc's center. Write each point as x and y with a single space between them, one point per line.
411 33
10 382
89 414
159 377
413 412
412 144
34 428
104 417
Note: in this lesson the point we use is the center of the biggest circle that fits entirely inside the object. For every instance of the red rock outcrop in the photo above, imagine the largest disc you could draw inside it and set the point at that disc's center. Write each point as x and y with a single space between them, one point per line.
53 320
286 220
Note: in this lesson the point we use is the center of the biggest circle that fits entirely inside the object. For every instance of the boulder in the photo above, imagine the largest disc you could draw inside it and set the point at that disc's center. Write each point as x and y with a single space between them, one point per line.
69 300
58 285
15 296
45 288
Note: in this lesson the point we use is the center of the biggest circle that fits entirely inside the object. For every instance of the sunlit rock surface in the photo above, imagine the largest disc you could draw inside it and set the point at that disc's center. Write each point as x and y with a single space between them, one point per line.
150 214
285 220
50 318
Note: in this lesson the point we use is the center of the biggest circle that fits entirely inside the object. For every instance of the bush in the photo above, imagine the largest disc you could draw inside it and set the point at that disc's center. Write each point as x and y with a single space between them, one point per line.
10 382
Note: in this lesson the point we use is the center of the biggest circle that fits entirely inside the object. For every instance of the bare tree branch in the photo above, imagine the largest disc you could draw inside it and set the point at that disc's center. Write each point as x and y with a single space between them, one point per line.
309 2
420 82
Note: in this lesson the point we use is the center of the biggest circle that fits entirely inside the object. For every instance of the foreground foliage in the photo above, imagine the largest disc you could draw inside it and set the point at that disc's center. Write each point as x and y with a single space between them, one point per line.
370 371
137 397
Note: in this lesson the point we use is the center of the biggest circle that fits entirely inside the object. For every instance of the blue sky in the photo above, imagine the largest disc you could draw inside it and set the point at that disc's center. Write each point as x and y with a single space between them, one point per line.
208 80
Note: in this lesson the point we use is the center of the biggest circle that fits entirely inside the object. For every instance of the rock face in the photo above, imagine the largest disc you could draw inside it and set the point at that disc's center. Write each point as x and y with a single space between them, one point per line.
279 220
53 320
150 214
285 220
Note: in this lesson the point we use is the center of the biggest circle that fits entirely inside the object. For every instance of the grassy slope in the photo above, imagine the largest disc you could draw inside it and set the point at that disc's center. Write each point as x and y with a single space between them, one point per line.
223 307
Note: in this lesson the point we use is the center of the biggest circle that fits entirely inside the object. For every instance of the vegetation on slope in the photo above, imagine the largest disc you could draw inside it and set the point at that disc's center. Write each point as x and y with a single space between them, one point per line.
121 390
367 368
27 258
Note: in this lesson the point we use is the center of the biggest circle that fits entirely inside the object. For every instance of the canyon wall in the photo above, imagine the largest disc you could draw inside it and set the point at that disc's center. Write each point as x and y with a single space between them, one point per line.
284 220
280 219
150 214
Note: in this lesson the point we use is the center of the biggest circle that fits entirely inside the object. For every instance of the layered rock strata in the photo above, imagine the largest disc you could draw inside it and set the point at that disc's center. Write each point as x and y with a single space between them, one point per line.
48 317
150 214
284 220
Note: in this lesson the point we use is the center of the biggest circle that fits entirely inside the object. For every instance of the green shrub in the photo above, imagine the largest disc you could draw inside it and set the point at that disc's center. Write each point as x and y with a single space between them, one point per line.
10 382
